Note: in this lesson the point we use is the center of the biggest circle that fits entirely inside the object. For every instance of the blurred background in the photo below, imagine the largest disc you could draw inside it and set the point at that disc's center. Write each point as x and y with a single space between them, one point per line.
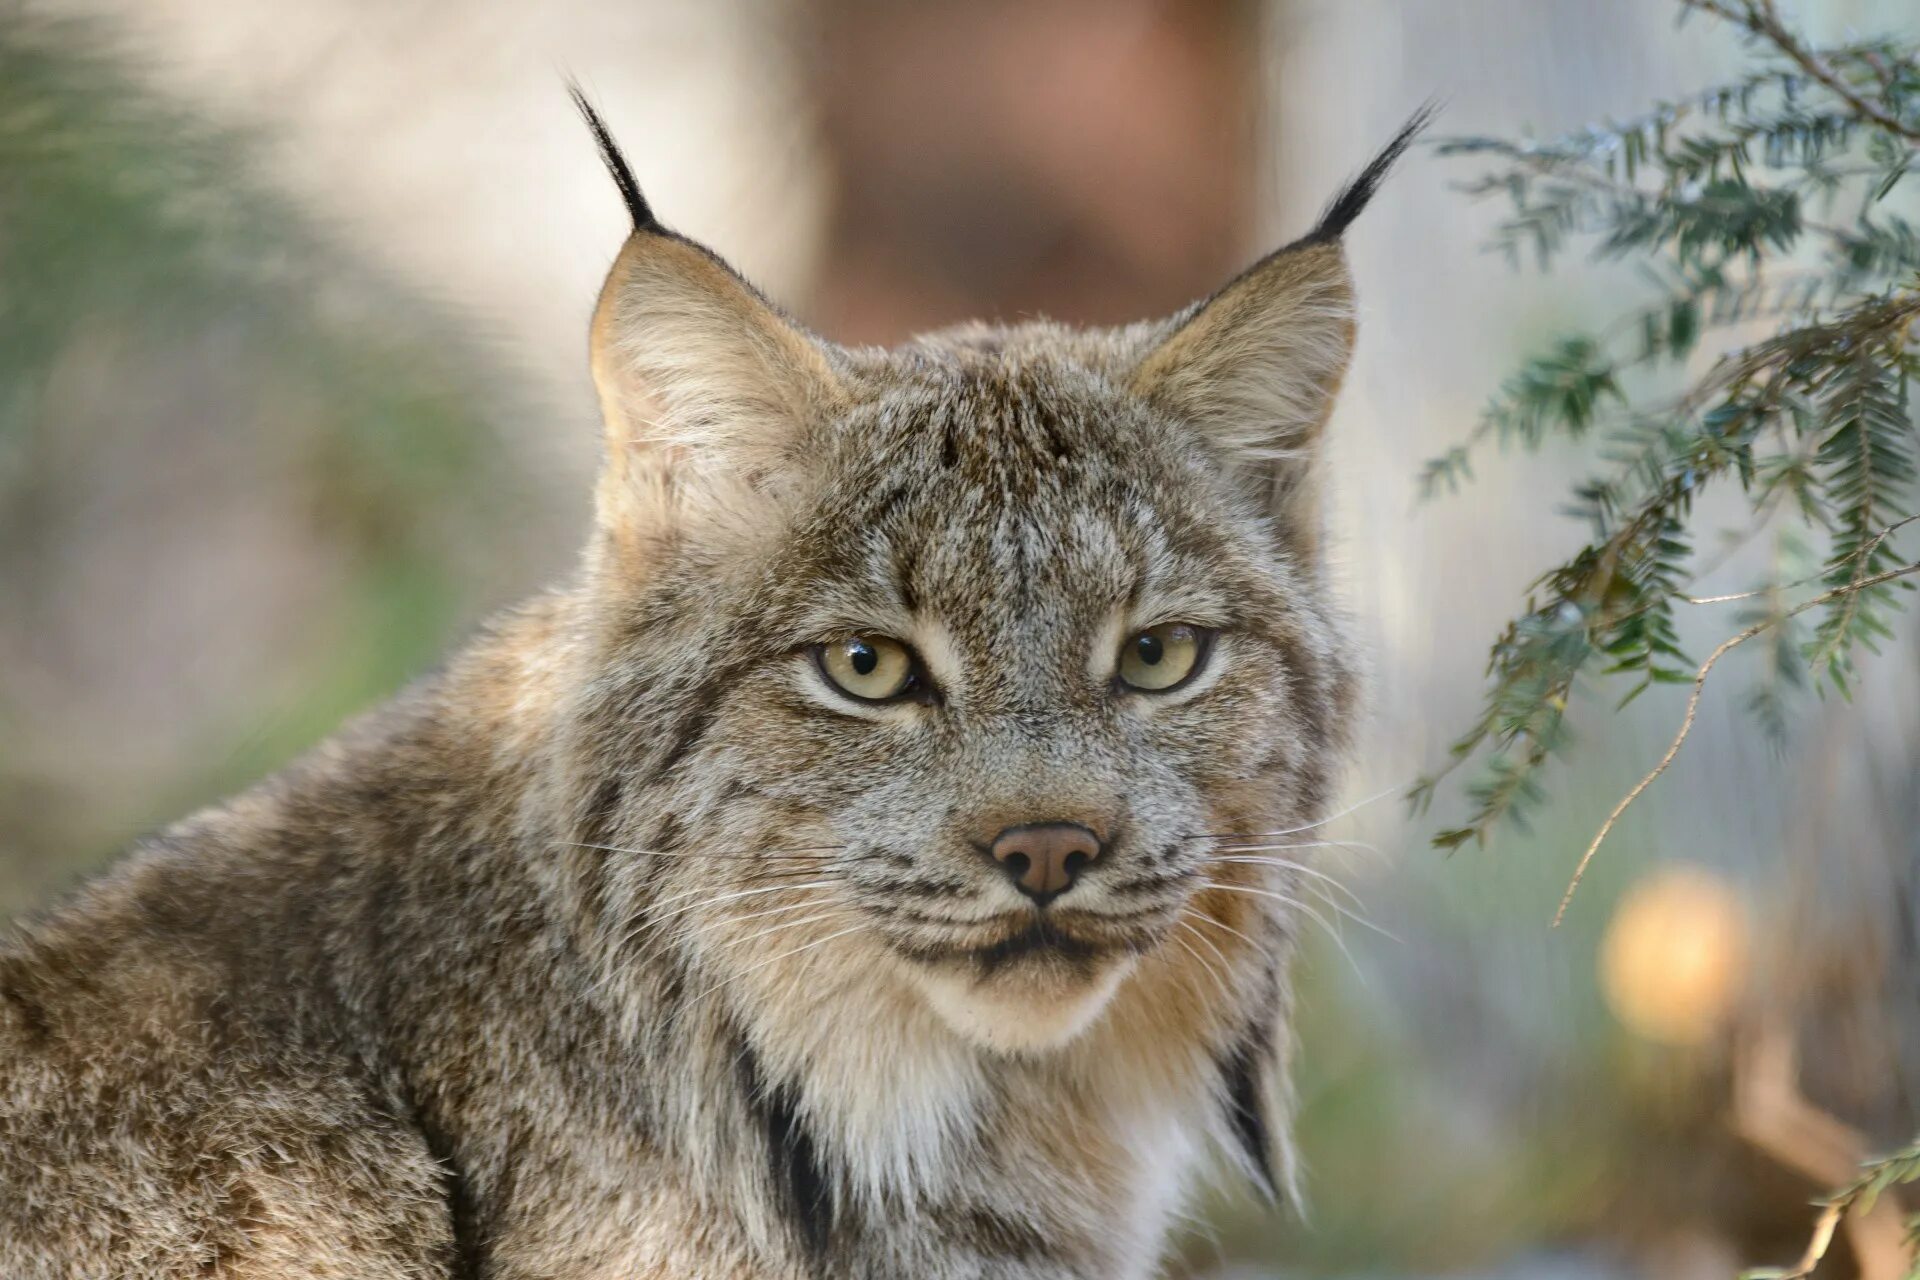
293 391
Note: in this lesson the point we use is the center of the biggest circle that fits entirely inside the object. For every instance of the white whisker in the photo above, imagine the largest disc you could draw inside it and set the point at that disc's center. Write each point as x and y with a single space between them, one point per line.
1327 883
1355 913
781 927
1226 965
654 917
1229 928
705 925
1290 865
1305 844
1298 905
794 853
1226 995
781 876
1375 798
775 959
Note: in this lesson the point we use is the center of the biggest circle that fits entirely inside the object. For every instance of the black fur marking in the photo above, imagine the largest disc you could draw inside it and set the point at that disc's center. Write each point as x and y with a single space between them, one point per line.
1240 1071
696 714
802 1184
1056 443
998 1236
596 823
691 728
906 564
384 897
671 835
894 911
1353 199
1153 883
630 193
673 986
32 1014
884 505
921 887
468 1257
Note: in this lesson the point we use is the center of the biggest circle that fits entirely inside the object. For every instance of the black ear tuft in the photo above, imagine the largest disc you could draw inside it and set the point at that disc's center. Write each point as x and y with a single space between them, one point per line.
1348 204
630 194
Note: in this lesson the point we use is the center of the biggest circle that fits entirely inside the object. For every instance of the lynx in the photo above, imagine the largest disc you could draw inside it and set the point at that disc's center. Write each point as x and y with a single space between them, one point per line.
871 863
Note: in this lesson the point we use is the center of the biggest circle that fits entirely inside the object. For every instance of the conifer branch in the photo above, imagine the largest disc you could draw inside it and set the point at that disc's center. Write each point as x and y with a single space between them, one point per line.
1812 423
1762 18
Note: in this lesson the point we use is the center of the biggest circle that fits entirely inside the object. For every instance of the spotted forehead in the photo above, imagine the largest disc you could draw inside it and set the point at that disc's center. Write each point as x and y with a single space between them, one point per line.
991 489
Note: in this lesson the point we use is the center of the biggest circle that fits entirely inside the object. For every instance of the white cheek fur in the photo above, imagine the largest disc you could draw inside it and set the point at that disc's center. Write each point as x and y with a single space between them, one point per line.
935 645
1104 658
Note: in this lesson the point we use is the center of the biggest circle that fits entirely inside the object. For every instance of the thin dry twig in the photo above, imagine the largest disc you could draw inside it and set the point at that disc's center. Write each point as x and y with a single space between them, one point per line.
1823 1229
1771 1112
1763 19
1859 556
1693 706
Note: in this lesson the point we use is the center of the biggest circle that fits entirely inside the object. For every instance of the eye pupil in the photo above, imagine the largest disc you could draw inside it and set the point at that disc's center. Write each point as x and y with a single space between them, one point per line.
1161 658
863 656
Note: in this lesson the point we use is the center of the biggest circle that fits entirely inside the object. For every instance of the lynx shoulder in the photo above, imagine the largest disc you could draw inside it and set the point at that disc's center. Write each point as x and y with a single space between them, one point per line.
855 869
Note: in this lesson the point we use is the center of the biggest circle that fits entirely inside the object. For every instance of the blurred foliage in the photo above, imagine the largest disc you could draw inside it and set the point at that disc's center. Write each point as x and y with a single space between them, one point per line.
1465 1101
1763 206
137 236
1775 359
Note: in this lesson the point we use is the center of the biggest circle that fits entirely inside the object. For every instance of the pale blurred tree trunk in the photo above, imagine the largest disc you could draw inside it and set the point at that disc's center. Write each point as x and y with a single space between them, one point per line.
1089 160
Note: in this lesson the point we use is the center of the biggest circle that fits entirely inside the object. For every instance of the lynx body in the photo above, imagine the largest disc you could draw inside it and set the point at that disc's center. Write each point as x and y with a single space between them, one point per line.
834 879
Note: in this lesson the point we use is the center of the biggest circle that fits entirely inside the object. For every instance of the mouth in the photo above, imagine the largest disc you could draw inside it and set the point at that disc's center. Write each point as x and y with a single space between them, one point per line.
1025 981
1041 937
1074 939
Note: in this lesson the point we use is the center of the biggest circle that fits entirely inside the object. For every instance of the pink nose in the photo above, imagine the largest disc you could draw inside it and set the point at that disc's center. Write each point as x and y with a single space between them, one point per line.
1044 858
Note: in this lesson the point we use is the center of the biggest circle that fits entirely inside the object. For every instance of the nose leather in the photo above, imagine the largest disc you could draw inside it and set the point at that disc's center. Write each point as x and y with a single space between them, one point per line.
1043 859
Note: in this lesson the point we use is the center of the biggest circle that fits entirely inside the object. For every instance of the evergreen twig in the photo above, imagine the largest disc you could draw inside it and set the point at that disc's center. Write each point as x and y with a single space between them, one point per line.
1801 403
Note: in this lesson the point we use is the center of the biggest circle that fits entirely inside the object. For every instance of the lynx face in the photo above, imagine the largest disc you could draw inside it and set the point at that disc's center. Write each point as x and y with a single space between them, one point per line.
960 659
1002 541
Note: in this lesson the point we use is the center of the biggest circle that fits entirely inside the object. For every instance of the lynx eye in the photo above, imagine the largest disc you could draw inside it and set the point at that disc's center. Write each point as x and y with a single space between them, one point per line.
868 668
1163 657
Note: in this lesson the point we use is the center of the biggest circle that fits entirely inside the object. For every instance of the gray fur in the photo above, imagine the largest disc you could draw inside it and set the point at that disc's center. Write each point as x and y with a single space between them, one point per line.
621 948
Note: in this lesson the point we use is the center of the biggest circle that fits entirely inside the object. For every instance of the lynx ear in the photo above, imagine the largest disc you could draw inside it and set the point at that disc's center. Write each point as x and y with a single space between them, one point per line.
706 388
1256 367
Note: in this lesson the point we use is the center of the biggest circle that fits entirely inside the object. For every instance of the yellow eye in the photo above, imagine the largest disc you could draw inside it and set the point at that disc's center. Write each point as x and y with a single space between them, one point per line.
870 668
1159 658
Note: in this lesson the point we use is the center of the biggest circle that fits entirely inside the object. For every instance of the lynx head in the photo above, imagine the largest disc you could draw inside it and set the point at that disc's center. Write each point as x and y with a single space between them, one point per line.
962 658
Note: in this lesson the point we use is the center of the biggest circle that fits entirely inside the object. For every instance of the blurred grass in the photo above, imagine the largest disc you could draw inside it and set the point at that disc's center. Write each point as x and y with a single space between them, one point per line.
147 268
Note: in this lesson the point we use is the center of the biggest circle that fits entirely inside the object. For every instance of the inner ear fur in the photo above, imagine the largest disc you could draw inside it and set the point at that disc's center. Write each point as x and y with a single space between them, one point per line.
705 387
1257 365
1255 370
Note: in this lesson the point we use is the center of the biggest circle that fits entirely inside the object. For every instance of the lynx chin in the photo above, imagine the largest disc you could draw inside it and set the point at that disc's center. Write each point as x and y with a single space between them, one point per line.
870 863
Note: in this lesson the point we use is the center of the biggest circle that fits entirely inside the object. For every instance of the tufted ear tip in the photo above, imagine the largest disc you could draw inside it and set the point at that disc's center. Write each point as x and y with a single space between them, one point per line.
635 200
1346 207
